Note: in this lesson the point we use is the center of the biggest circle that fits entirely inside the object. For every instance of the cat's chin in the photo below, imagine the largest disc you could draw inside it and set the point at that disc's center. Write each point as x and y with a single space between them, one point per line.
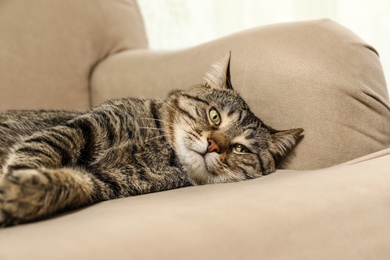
197 160
196 167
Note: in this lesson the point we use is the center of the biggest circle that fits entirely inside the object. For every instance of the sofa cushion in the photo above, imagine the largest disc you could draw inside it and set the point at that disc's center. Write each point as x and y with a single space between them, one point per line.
338 213
48 48
316 75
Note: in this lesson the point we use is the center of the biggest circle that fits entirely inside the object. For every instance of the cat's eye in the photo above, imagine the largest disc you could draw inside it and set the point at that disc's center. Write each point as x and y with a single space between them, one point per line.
239 148
215 117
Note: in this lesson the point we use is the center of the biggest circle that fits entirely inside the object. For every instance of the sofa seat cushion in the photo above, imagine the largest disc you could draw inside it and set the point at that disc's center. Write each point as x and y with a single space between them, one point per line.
335 213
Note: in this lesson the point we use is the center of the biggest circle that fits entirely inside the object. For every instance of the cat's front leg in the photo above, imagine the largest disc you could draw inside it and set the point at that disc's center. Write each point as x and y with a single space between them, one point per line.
40 177
30 194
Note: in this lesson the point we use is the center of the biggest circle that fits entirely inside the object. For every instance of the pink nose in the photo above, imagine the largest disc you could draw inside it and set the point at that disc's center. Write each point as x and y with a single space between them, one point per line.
213 146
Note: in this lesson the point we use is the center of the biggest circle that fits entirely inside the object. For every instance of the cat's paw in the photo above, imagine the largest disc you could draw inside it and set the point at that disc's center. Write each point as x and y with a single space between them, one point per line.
22 196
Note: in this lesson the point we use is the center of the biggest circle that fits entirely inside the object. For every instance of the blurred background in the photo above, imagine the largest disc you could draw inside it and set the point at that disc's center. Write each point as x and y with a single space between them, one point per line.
174 24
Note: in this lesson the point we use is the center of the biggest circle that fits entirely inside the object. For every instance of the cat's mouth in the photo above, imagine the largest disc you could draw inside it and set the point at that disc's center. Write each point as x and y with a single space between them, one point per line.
199 168
198 158
205 160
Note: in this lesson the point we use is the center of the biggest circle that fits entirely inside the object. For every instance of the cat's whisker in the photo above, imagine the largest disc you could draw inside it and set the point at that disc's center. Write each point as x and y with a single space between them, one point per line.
192 133
150 118
232 175
190 124
156 137
151 128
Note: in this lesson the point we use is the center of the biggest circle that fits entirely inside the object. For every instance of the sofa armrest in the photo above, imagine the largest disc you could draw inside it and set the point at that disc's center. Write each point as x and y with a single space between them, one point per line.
49 47
316 75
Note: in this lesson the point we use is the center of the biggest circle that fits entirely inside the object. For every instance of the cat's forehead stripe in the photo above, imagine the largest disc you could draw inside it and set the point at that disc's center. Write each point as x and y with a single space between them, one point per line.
239 115
250 135
231 112
195 99
248 121
252 127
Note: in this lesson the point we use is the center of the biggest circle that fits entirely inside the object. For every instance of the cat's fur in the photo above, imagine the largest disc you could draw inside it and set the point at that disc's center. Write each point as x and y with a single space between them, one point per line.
58 160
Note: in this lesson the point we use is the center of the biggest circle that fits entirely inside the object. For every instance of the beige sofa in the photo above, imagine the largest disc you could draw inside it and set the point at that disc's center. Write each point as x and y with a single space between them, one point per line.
329 200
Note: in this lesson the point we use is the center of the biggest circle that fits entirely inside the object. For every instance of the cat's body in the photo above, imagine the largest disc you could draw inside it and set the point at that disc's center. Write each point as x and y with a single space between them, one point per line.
55 160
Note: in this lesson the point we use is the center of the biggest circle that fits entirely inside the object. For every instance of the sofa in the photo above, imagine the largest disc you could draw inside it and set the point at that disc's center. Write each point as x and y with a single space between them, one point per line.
329 199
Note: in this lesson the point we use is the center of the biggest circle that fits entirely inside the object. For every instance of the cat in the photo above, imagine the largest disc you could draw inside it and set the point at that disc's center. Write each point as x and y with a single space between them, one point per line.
54 161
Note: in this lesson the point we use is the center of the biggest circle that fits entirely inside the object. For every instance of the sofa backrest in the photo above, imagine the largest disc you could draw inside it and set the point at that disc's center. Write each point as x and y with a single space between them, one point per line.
49 47
316 75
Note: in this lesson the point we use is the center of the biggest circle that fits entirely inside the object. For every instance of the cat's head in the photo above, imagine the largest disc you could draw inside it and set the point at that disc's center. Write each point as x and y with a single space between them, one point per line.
216 136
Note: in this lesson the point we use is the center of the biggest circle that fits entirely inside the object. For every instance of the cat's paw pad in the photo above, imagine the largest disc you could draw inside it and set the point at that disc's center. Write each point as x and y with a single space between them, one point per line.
21 195
29 177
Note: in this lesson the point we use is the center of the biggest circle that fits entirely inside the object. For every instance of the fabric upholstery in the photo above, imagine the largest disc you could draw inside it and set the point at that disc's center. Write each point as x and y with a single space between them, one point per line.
336 213
48 48
316 75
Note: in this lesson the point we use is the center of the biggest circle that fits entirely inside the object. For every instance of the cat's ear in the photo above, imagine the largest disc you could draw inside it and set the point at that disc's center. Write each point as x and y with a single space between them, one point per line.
219 74
284 141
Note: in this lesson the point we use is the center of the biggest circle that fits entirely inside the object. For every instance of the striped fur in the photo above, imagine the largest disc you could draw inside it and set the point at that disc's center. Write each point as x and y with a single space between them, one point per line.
57 160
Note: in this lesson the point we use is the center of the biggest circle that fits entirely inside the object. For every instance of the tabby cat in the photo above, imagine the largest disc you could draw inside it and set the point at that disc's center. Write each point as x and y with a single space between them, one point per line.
56 160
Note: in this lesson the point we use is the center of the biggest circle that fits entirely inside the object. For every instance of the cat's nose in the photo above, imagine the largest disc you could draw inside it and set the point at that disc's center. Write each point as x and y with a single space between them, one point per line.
213 146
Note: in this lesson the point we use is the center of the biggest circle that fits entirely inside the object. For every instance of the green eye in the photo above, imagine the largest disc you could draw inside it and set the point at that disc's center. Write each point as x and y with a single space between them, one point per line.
215 117
239 148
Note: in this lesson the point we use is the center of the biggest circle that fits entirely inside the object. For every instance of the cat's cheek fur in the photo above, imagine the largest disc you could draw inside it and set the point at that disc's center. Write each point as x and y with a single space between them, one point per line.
190 155
197 145
268 162
221 173
195 167
213 165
